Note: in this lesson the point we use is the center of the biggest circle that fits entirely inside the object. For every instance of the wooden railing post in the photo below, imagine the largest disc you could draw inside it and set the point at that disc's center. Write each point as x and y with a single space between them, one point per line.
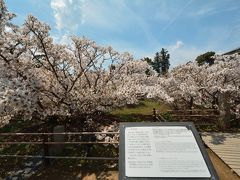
154 114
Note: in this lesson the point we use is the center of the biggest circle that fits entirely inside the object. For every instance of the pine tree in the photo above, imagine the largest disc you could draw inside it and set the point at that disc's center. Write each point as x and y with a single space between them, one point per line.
160 63
164 61
157 63
206 58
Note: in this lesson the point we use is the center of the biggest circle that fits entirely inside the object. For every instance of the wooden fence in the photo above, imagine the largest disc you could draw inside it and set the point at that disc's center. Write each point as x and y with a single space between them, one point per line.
43 139
200 117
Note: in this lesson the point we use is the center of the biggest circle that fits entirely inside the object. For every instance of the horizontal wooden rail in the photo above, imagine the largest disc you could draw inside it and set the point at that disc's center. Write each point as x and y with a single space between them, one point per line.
192 110
205 124
44 141
190 115
58 157
64 133
41 142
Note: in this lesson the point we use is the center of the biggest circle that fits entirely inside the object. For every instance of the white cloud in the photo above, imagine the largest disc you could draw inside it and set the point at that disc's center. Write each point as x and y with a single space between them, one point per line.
96 17
8 29
62 39
67 13
176 46
71 14
183 54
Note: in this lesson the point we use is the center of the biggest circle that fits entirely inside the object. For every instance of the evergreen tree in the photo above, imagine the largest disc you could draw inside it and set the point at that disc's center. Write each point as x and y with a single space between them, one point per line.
148 60
160 63
157 63
164 61
206 58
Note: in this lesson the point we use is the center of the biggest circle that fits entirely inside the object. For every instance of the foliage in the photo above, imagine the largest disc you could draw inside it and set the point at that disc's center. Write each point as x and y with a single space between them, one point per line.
206 58
164 61
160 63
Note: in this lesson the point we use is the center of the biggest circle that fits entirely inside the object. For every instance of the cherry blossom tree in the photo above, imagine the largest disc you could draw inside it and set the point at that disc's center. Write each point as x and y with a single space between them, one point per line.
12 68
215 86
43 79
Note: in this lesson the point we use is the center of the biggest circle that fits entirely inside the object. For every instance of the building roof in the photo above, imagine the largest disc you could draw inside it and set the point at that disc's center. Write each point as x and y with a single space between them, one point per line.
233 51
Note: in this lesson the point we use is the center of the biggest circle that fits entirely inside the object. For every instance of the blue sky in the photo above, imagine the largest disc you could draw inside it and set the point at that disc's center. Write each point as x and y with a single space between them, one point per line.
186 28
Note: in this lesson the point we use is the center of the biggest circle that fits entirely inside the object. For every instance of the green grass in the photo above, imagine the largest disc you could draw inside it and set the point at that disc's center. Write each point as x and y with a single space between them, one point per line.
144 108
135 113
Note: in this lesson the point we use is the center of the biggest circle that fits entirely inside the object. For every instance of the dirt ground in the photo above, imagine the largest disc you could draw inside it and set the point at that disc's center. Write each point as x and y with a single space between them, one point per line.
71 173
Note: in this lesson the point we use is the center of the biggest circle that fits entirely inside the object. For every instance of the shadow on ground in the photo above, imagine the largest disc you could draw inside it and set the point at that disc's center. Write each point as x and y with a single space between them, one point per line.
220 138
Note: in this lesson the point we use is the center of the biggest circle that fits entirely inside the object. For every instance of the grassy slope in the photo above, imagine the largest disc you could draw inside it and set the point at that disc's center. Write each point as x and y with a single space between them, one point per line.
137 112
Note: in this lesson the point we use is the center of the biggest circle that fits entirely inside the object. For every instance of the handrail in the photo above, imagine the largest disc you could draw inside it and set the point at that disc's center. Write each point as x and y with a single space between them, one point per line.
59 157
64 133
190 110
194 115
42 142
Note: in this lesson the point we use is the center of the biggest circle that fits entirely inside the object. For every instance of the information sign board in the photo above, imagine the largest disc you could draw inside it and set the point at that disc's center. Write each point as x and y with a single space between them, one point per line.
163 151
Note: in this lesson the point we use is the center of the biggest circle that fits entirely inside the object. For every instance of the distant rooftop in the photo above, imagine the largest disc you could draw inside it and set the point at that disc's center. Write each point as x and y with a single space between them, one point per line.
233 51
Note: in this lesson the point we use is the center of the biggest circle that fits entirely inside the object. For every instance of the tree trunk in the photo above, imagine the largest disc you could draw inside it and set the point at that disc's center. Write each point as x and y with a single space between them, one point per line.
224 108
